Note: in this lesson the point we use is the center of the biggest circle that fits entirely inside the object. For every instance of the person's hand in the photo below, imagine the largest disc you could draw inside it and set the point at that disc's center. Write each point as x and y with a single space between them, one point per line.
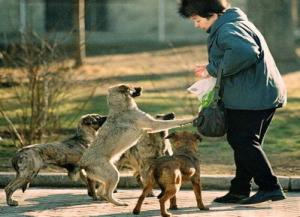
201 72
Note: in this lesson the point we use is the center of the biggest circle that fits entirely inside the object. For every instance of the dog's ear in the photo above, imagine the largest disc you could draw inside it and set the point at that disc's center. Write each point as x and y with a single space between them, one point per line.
101 119
171 135
123 88
162 134
87 119
198 137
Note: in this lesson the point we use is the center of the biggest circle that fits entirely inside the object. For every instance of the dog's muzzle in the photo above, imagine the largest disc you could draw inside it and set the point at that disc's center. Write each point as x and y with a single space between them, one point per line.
169 116
95 120
136 92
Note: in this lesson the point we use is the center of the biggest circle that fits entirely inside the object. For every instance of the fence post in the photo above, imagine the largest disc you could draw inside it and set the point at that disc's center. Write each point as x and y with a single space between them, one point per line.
79 32
22 16
161 21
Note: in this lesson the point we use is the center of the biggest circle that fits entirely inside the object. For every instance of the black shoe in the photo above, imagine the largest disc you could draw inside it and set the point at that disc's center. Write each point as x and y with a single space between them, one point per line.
230 198
262 196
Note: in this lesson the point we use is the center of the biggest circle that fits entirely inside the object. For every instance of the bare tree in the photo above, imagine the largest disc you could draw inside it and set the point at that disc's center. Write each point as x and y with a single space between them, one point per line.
79 28
274 20
43 86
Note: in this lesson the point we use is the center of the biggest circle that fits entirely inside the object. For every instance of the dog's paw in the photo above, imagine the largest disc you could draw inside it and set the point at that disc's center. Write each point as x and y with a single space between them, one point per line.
173 208
204 208
136 212
119 203
123 204
12 203
97 198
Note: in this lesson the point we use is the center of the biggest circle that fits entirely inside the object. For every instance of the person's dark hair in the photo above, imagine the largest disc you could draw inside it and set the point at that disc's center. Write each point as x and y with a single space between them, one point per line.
202 8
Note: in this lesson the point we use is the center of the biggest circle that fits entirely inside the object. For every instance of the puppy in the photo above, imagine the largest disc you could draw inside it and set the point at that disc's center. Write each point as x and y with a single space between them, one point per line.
124 126
169 172
66 154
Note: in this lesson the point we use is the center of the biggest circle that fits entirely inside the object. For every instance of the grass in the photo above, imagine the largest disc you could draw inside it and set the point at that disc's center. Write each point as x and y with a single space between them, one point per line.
164 73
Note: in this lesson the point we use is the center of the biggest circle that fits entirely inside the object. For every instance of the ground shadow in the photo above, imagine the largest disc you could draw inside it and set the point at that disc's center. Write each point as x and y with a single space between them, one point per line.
134 47
143 77
190 210
53 201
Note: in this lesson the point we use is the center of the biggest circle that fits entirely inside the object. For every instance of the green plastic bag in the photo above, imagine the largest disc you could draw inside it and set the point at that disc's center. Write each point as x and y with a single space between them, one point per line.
207 100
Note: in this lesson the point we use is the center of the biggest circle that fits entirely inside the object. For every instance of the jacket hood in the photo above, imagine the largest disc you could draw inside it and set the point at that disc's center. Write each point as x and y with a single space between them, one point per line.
230 15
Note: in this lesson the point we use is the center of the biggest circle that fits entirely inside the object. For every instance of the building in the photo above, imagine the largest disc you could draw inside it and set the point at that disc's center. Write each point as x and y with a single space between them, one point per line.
107 21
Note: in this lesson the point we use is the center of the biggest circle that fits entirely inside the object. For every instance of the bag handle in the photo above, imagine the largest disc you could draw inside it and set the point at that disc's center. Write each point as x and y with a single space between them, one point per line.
217 87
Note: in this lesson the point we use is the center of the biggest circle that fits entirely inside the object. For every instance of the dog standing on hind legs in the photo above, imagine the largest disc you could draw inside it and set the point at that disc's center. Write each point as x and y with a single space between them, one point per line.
139 157
124 126
29 160
168 172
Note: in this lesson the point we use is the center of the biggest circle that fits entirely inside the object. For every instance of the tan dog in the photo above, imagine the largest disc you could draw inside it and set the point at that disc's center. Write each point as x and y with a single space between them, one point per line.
170 171
66 154
139 157
124 126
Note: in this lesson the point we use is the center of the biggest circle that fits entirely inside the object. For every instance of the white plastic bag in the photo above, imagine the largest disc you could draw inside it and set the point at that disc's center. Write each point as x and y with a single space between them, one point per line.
203 87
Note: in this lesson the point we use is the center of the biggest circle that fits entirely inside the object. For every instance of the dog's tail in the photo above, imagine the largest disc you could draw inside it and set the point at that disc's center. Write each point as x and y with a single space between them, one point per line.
162 187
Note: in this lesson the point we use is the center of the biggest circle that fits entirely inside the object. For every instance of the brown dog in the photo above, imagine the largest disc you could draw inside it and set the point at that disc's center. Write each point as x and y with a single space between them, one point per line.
170 171
150 146
66 154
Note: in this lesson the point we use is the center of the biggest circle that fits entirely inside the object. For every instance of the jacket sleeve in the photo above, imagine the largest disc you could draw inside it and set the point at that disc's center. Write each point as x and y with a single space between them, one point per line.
240 51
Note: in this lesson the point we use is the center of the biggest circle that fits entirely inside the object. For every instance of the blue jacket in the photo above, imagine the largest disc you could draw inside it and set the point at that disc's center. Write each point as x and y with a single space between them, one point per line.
250 78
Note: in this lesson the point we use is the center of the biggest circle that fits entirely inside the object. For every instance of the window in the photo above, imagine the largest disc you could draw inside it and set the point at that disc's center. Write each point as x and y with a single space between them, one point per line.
96 15
60 15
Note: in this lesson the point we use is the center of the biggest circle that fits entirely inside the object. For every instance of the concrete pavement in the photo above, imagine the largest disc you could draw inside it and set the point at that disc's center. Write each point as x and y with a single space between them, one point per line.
209 182
45 199
59 202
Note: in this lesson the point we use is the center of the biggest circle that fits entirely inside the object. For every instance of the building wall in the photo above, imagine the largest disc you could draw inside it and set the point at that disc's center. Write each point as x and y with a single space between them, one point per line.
127 20
9 16
35 15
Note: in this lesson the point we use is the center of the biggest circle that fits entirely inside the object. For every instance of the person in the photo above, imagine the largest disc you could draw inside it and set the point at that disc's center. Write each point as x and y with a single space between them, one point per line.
252 90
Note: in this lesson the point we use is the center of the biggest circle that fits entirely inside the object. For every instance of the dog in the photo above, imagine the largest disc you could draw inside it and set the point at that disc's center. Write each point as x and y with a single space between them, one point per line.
124 126
150 146
168 172
139 157
28 161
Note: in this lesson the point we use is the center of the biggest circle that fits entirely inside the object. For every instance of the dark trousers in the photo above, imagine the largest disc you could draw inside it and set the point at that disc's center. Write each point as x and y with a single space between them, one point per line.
246 131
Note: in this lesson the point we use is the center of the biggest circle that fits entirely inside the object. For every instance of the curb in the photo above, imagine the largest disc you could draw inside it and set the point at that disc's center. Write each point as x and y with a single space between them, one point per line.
209 182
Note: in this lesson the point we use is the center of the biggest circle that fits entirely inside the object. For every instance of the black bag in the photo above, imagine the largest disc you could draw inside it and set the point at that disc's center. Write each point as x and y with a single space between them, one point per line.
211 120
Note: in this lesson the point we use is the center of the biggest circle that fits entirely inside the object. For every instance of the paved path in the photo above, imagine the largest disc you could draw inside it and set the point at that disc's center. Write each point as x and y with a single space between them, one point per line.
46 202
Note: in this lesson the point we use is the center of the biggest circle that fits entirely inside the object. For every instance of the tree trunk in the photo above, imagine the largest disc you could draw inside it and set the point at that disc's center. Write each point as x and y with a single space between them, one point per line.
274 20
79 29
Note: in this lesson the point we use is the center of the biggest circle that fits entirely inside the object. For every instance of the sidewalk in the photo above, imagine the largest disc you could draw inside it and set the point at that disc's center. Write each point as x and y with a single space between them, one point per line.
209 182
50 202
